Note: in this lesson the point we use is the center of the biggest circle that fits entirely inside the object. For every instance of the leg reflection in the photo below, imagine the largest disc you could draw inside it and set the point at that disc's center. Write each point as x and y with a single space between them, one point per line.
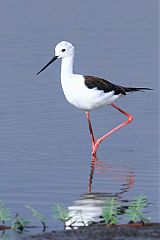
117 173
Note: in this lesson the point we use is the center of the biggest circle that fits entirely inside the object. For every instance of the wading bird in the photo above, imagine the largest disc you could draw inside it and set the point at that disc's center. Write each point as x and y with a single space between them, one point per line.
88 92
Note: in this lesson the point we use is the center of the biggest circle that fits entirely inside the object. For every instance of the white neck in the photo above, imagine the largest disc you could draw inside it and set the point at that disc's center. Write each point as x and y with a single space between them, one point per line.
67 66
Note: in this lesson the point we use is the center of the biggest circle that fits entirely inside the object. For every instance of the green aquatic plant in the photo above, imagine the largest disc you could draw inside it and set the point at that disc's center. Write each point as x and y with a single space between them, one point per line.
135 212
111 210
110 213
60 212
19 223
5 213
38 215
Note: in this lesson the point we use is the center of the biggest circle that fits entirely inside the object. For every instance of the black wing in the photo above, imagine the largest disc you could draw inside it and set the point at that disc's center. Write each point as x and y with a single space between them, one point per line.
106 86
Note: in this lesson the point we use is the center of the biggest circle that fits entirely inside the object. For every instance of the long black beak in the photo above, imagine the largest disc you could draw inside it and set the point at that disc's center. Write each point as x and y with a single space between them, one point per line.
52 60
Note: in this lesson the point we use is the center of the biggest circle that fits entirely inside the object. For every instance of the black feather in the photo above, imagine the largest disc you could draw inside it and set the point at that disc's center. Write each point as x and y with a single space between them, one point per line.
106 86
130 89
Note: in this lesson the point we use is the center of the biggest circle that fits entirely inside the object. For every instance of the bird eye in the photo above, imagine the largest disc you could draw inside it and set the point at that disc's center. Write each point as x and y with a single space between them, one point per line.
63 50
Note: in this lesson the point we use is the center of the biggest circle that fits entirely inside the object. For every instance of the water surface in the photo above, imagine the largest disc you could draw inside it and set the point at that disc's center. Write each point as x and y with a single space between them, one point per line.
45 143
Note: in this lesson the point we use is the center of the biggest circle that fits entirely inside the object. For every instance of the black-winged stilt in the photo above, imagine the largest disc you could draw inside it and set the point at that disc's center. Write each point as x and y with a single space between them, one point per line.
87 92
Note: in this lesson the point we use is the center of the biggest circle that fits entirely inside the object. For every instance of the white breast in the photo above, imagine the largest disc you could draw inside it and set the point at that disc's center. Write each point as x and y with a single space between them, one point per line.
82 97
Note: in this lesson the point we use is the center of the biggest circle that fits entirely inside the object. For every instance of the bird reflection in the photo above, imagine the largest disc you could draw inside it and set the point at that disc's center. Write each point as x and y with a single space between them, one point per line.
88 209
106 168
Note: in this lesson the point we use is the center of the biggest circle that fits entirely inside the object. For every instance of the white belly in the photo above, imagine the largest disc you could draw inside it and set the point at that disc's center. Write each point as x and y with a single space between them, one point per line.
84 98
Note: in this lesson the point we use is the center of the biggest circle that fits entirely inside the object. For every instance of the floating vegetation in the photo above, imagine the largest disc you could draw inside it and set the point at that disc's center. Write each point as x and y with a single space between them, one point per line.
5 213
38 215
60 212
111 210
19 223
135 213
111 213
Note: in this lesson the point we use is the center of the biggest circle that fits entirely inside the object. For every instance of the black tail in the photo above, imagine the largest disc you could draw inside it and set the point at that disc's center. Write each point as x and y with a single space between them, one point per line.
130 89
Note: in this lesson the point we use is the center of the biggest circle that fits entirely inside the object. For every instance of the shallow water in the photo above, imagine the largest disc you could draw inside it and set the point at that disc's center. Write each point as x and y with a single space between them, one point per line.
45 144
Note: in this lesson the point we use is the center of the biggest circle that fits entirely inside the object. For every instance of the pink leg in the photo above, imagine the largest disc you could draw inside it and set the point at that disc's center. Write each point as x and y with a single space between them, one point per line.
130 119
90 129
